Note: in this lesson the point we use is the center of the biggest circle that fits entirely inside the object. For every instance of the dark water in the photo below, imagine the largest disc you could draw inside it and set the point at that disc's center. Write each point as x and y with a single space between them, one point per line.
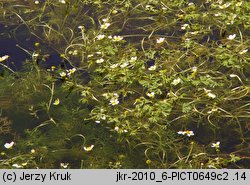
12 45
8 46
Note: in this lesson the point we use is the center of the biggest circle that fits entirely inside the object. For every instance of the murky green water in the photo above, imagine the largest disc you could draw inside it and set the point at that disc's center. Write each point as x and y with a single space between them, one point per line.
124 84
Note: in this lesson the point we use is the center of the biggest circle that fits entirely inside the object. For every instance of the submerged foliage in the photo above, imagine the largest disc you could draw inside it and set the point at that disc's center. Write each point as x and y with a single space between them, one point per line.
139 84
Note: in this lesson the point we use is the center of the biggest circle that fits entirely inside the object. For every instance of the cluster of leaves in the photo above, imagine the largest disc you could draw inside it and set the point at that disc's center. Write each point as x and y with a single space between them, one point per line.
138 72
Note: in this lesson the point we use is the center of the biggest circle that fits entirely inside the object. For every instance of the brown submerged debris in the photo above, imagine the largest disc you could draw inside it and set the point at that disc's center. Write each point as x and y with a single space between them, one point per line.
5 125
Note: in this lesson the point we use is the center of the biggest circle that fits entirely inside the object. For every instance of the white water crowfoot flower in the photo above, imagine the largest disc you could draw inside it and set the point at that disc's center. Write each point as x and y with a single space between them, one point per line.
160 40
63 74
100 37
81 27
114 101
56 102
152 68
117 38
64 165
99 61
151 95
113 66
116 128
16 166
184 26
62 1
212 110
9 145
209 94
88 148
71 71
105 25
243 51
176 81
133 59
125 64
3 58
216 145
194 69
232 75
186 132
231 37
226 5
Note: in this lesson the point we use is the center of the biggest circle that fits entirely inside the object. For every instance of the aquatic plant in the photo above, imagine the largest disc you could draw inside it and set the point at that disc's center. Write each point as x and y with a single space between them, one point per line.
139 84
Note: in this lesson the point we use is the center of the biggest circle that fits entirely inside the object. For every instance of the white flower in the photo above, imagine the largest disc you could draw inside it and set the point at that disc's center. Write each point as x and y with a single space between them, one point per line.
24 164
99 61
176 81
216 145
206 90
189 133
17 166
81 27
105 25
100 37
116 128
190 4
160 40
116 95
63 74
9 145
88 148
133 59
105 20
184 26
194 32
231 37
181 132
194 69
56 102
3 58
213 110
211 95
151 95
243 51
225 5
103 117
186 132
37 2
64 165
125 131
71 71
152 68
114 66
217 14
232 75
97 121
117 38
62 1
32 151
125 64
75 52
114 101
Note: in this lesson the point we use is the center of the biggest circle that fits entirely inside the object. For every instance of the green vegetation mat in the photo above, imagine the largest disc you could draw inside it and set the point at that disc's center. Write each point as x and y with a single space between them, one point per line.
125 84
